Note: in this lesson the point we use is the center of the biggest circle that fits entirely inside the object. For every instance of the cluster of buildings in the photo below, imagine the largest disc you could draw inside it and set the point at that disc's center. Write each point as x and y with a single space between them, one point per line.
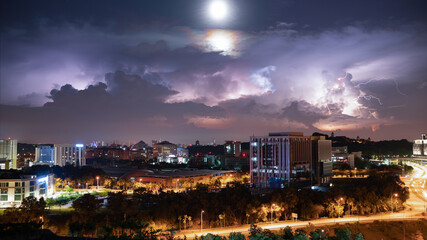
340 155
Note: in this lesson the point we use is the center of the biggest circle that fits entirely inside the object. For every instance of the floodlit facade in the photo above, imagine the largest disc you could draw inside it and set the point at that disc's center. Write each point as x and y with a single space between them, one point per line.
70 154
13 191
420 146
165 152
8 153
45 154
280 158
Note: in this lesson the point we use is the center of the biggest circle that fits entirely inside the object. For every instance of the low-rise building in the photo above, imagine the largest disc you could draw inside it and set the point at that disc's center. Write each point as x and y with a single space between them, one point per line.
420 146
165 151
14 190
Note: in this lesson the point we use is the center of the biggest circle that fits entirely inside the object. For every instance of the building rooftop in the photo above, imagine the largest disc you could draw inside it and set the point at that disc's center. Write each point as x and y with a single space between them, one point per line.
272 134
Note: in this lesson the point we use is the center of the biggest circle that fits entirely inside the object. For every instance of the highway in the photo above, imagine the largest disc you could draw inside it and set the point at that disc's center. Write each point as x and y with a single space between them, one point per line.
415 206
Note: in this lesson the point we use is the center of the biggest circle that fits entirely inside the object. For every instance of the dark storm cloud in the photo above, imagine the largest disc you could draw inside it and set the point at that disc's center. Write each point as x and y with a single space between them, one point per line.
302 111
126 107
162 77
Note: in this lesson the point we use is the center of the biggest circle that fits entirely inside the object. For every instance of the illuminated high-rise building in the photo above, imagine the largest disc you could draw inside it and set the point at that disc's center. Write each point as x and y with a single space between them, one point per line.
70 154
8 153
280 158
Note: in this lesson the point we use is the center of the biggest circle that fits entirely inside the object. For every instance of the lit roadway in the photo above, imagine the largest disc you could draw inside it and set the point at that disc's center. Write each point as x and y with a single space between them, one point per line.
415 205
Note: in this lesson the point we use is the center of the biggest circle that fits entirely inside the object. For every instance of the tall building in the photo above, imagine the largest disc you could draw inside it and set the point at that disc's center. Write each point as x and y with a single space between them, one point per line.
70 154
45 155
420 146
322 160
280 158
8 153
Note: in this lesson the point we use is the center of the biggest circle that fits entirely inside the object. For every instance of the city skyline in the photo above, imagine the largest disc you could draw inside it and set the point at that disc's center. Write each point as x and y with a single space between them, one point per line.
201 70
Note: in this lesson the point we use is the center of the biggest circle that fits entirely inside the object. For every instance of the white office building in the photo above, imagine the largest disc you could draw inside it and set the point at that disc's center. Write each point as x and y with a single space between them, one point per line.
69 154
13 191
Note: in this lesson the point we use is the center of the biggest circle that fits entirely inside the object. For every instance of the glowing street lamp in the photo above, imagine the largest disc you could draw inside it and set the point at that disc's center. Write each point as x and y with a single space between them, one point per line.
97 183
272 205
391 201
41 218
201 220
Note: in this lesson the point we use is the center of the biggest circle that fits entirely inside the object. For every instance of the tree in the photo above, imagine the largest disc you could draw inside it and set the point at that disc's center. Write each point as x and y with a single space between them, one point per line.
236 236
254 230
300 235
87 204
343 234
319 234
287 233
75 229
210 236
359 236
32 209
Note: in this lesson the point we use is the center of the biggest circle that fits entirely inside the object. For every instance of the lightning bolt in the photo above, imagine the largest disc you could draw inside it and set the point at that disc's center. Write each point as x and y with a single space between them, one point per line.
398 90
370 97
363 83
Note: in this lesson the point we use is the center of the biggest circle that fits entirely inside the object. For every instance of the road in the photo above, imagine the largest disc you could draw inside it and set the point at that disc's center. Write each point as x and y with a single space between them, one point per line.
415 206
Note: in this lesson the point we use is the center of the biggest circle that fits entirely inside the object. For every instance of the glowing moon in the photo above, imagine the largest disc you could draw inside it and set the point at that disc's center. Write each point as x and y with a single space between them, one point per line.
218 10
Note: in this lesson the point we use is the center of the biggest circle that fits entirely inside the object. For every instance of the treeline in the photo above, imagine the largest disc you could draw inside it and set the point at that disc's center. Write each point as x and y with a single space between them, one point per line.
256 233
233 205
382 148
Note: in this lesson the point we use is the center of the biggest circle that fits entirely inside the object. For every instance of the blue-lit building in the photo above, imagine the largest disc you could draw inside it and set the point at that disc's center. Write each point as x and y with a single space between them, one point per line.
45 154
13 190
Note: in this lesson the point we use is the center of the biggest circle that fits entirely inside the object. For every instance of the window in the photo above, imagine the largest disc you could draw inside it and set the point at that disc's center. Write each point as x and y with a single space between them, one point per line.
17 197
31 194
17 190
3 198
3 191
32 189
17 184
4 184
23 184
32 183
42 191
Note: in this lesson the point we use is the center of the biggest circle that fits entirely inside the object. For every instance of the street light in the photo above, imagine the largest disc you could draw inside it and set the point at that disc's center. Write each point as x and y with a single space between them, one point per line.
201 220
391 201
41 218
97 183
272 205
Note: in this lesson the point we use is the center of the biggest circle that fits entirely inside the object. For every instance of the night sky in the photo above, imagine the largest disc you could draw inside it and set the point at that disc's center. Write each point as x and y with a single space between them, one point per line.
177 70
